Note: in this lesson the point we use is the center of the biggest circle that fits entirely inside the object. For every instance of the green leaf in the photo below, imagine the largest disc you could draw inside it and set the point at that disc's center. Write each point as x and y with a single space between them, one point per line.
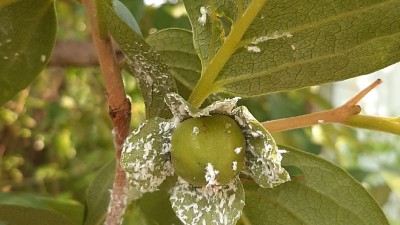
291 45
294 172
147 210
68 208
27 36
146 155
307 45
326 195
136 7
146 64
207 19
98 195
18 215
125 15
176 49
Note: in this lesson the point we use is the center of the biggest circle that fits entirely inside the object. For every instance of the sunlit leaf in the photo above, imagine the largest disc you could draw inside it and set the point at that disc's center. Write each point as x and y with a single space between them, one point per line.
325 195
27 36
176 49
69 208
18 215
152 73
98 195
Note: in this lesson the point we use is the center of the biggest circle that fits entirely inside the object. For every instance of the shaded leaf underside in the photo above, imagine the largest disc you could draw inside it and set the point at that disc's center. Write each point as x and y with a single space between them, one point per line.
291 45
176 49
326 195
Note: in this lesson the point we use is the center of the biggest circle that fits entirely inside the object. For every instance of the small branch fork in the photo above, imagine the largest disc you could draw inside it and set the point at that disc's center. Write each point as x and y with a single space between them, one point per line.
336 115
119 110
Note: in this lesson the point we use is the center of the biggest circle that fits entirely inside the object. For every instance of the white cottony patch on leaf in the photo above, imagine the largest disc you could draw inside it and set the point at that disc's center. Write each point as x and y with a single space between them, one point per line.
253 48
203 17
275 35
218 205
211 175
42 58
145 155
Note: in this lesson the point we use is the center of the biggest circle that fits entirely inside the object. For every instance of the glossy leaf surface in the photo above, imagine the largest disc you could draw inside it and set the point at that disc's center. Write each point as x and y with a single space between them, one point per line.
176 49
27 36
325 194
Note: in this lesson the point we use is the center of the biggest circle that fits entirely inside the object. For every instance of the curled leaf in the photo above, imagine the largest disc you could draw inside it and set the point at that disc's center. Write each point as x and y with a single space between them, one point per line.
208 205
145 155
263 158
182 110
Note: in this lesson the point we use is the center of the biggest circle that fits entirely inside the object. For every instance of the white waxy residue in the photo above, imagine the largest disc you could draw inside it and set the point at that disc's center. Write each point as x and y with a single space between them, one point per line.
253 48
195 131
211 175
238 150
42 58
203 18
275 35
234 165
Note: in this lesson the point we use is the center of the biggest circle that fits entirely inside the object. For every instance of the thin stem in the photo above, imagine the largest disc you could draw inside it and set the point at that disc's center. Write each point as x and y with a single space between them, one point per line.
205 85
389 125
119 110
336 115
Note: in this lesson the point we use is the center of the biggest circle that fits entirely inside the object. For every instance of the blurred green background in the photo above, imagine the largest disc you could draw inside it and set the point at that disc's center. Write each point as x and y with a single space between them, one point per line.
56 134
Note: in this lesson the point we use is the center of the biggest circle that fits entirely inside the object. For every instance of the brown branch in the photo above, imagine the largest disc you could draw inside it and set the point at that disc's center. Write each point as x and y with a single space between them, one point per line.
119 109
76 53
336 115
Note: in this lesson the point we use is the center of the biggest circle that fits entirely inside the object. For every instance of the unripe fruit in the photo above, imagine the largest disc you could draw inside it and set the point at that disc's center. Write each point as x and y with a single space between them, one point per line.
208 150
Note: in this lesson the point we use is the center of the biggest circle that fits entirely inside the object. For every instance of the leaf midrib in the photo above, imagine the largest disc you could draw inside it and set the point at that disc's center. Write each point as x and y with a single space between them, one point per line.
246 76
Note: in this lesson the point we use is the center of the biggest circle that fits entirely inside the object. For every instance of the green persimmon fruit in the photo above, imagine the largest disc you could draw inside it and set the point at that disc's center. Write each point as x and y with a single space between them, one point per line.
208 150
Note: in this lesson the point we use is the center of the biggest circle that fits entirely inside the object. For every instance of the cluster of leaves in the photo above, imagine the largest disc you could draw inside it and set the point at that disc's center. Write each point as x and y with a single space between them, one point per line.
286 46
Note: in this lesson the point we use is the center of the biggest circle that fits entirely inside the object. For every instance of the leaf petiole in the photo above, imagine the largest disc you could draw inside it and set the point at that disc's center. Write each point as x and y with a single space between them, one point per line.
205 85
